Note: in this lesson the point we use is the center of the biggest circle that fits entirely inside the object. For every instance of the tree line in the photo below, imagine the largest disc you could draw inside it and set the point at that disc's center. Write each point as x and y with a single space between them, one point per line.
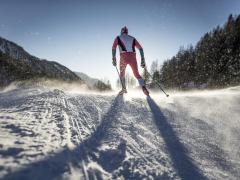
213 63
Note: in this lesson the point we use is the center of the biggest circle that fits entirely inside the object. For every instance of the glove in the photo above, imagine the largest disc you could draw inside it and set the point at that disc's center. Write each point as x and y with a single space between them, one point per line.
114 61
143 63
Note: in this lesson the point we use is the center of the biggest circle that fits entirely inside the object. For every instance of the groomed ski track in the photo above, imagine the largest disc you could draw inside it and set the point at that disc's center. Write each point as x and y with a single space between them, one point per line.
54 134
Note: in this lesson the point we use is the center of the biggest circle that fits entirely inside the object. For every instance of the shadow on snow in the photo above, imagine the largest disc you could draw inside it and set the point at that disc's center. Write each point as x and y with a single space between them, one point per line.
54 166
182 163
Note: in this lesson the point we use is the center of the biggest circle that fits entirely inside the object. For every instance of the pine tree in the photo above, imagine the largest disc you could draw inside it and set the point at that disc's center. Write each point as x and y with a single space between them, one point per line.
214 62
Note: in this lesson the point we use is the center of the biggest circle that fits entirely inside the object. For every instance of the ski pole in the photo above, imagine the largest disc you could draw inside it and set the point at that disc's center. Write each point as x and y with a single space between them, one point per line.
162 89
119 76
157 83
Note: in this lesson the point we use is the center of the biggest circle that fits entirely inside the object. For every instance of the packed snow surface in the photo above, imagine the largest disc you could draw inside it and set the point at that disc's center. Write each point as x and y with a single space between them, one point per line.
48 133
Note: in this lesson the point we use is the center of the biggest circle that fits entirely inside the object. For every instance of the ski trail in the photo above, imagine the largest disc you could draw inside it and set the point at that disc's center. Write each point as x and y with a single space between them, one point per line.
52 134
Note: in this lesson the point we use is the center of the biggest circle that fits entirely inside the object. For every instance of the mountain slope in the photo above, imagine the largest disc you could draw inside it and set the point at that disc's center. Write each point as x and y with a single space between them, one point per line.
93 83
89 81
54 134
17 64
13 50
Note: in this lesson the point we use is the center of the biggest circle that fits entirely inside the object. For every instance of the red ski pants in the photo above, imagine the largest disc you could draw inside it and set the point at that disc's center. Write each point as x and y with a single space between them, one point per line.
129 58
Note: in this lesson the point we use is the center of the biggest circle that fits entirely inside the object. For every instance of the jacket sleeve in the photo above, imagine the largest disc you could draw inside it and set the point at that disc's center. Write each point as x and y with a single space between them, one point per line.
115 43
138 45
114 46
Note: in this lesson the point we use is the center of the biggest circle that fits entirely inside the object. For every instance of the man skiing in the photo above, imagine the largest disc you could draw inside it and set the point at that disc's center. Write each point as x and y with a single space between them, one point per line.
127 46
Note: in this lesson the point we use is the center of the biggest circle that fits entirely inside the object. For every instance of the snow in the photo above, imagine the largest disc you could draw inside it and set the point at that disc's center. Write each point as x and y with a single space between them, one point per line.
2 49
49 133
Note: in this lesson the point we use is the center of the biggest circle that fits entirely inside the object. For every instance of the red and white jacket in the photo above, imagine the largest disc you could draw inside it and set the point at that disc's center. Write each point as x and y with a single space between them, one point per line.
126 43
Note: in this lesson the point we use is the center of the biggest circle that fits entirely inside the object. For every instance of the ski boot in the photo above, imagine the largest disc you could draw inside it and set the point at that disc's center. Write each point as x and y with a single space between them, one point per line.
145 91
122 91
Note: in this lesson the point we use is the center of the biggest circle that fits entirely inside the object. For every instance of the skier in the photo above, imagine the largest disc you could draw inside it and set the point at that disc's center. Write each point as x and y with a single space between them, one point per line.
127 46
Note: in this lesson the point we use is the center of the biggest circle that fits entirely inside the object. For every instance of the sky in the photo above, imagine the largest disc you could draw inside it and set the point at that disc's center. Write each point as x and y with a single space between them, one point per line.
79 33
